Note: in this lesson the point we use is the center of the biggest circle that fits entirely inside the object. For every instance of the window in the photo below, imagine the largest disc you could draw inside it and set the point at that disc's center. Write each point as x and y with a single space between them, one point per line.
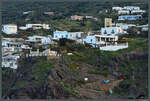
55 36
113 31
91 40
62 36
66 36
105 32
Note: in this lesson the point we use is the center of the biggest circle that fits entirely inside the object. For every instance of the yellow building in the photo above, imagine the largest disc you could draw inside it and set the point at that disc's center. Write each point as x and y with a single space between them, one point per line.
108 22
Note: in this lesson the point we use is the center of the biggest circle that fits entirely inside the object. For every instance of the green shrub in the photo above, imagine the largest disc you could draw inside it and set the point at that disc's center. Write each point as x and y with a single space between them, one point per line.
97 89
104 73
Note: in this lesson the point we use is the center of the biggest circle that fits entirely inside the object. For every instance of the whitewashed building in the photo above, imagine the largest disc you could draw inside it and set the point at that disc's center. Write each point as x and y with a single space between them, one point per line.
10 61
67 35
7 43
89 17
40 39
98 40
10 29
125 26
35 26
76 17
138 11
105 43
123 12
111 31
116 8
27 12
10 45
129 17
131 7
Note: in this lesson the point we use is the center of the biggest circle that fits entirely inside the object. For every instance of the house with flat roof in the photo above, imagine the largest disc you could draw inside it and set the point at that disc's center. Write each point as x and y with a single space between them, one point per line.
131 7
130 17
12 45
98 40
117 8
105 43
123 12
67 35
111 31
39 39
10 61
76 17
138 11
125 26
27 12
10 29
35 26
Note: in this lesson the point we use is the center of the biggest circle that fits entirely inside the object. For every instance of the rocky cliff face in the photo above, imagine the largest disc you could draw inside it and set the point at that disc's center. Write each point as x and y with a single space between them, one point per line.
36 78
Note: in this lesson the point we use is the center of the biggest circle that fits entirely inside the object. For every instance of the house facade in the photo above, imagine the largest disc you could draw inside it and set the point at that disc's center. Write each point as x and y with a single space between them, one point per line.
76 17
131 7
40 39
10 29
10 61
125 26
89 17
111 31
35 26
129 17
98 40
123 12
67 35
27 12
116 8
137 11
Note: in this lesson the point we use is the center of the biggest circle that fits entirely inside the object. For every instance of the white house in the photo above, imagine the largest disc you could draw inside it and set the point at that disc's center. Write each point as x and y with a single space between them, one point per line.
98 40
35 26
111 31
41 39
125 26
10 61
76 17
89 17
104 42
9 45
123 12
137 11
10 29
6 43
129 17
131 7
27 12
68 35
116 8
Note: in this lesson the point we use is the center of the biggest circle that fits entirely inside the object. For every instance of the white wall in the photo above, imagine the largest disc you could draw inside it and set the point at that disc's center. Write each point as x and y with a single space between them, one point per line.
10 29
10 61
132 7
123 12
110 30
65 34
125 26
117 8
